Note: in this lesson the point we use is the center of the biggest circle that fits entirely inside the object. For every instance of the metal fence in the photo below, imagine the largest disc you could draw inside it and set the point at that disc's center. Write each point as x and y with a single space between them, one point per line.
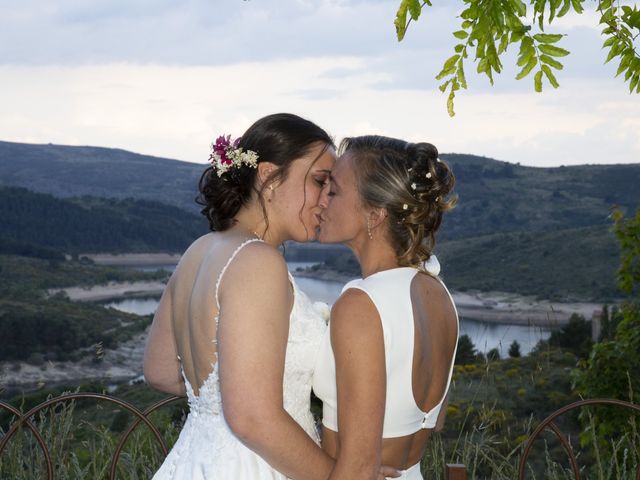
452 471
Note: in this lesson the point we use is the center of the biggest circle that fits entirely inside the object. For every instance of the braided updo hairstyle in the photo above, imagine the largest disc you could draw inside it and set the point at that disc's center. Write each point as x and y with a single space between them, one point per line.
411 183
280 139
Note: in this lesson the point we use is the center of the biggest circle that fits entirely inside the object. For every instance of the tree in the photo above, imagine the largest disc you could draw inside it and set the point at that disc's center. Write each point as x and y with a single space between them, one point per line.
489 27
613 367
575 336
466 352
493 355
514 350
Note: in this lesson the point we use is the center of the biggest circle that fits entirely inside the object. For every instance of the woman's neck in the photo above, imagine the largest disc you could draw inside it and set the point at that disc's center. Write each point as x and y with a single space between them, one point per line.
250 219
374 256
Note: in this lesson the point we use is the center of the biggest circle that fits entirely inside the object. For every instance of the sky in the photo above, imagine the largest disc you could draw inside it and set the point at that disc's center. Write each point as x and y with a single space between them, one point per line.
165 77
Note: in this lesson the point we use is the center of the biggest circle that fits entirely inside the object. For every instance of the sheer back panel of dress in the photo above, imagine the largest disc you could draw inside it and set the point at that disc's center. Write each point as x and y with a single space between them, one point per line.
195 306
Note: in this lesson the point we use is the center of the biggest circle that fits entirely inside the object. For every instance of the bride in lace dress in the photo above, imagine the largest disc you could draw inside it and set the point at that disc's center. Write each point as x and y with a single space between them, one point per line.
232 331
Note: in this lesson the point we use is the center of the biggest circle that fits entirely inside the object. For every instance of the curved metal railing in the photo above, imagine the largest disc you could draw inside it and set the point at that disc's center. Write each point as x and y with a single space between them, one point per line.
566 445
142 416
24 419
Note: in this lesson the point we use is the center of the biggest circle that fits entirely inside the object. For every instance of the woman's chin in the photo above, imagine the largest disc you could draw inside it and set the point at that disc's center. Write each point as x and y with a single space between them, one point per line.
324 236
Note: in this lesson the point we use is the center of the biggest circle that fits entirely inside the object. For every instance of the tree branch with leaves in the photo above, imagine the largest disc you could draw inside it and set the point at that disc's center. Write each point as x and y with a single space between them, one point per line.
489 27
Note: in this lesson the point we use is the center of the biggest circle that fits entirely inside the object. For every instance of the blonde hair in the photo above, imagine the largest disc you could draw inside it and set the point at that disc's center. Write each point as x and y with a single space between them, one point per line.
411 183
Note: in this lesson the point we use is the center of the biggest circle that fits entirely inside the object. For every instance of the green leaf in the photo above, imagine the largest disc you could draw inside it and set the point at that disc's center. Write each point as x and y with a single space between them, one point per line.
520 7
445 73
483 65
451 61
459 48
533 61
628 74
461 34
547 37
551 61
621 69
633 83
516 36
461 77
401 20
537 81
553 50
609 41
577 6
552 79
443 87
565 8
415 9
615 50
452 95
504 42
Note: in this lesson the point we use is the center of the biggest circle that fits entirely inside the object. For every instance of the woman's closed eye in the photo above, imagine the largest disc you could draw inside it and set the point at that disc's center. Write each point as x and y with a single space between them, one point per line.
322 182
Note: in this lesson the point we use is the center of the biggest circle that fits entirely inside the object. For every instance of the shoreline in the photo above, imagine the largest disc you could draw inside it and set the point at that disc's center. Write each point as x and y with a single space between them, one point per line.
124 363
119 365
490 307
495 307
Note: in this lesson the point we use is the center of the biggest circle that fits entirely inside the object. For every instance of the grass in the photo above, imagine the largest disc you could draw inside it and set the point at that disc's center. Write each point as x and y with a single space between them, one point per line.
493 409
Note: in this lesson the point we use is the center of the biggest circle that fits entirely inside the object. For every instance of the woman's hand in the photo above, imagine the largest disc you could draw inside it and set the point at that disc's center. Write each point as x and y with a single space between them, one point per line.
388 472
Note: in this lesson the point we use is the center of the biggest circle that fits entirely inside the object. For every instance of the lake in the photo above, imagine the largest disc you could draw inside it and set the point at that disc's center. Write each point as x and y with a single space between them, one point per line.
485 335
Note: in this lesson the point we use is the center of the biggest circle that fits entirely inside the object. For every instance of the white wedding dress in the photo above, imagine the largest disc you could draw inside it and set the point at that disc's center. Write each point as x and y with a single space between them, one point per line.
207 448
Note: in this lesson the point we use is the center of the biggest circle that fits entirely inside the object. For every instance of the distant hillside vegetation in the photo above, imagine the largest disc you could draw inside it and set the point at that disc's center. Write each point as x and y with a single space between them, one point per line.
503 197
569 264
576 263
66 171
494 196
88 224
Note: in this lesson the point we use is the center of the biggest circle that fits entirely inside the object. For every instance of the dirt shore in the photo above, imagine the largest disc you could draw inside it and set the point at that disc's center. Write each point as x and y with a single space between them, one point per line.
133 259
117 365
111 291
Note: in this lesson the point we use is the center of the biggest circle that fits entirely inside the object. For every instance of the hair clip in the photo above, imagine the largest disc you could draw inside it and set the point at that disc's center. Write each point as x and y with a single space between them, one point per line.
413 186
405 206
409 169
428 175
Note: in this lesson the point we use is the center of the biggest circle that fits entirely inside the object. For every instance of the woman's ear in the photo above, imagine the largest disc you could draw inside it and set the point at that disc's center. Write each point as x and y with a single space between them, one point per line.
377 216
265 170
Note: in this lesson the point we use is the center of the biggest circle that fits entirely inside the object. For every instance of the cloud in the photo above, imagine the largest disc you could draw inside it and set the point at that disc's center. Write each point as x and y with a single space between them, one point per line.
176 111
162 77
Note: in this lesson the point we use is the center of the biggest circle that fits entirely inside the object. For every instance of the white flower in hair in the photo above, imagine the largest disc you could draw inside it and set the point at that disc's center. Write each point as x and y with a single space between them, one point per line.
226 154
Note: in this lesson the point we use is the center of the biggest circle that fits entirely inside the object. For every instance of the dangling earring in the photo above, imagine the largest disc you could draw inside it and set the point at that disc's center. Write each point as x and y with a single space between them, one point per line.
369 229
270 190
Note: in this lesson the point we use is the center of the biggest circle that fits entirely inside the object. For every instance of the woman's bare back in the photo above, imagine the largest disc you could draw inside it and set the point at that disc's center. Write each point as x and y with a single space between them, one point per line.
194 306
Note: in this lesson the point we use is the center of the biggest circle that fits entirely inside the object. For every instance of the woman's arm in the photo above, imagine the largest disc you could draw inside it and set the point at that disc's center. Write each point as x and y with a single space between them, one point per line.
256 298
358 345
161 367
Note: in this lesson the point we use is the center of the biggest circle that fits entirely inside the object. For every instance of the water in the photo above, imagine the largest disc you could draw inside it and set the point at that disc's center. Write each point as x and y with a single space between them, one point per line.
484 335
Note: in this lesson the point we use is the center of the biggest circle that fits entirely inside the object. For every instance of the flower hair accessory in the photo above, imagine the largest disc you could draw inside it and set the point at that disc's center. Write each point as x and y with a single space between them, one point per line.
226 154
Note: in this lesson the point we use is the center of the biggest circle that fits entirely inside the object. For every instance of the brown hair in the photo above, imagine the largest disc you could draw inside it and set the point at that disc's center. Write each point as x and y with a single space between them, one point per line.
280 138
411 183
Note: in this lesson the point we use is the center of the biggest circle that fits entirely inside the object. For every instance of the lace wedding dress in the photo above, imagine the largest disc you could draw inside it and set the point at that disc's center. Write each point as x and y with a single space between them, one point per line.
206 447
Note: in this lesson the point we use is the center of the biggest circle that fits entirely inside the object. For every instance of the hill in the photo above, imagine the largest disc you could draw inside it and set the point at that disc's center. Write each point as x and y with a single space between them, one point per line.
65 171
90 224
501 197
494 196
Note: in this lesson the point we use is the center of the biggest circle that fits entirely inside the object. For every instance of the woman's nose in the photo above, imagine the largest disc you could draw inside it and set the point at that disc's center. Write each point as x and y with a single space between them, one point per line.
323 201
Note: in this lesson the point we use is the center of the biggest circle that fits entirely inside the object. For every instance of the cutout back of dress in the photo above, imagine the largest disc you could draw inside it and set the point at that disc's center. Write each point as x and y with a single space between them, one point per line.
399 297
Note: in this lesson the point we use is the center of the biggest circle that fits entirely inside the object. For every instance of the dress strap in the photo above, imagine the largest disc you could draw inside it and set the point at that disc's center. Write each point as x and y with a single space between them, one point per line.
224 269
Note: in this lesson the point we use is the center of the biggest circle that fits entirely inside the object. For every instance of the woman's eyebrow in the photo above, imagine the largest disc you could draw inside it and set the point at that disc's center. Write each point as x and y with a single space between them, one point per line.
328 172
